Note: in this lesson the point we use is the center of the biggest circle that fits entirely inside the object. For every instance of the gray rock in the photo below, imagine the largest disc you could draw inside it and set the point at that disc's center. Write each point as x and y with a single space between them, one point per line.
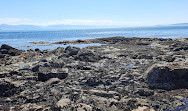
145 92
44 63
87 56
70 50
102 93
6 49
145 57
55 64
95 81
168 76
7 88
169 58
59 50
45 73
2 55
99 77
137 56
63 102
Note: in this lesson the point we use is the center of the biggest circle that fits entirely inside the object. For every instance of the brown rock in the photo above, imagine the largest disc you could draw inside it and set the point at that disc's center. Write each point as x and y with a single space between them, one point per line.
63 102
144 108
52 81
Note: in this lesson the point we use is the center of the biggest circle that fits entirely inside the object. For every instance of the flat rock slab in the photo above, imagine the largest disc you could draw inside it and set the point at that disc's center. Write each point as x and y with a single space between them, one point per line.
45 73
63 102
102 93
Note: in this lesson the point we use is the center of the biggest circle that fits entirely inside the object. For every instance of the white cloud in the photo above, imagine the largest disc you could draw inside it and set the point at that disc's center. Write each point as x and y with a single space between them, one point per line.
26 21
15 21
89 22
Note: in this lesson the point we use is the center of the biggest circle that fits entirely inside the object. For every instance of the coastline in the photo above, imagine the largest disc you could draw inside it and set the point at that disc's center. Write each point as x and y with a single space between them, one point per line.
21 39
121 74
109 40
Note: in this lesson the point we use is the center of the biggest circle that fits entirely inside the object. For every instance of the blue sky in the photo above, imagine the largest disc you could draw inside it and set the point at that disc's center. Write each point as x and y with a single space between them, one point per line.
94 12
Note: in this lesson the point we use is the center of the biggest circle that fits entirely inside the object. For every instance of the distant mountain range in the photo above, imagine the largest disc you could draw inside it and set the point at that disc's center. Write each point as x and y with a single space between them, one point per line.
59 27
18 27
50 27
181 24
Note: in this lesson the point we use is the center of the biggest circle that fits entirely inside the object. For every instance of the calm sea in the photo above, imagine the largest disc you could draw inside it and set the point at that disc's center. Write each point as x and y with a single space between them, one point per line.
20 39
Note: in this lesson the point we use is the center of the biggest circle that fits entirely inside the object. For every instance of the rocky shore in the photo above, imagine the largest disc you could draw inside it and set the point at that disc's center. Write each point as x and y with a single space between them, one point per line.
125 74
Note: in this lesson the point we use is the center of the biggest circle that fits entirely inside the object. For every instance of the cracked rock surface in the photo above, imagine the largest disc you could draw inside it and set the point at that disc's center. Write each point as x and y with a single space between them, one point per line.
125 74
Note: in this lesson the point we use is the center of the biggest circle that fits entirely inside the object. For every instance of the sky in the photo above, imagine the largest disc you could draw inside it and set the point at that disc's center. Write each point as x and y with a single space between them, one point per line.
93 12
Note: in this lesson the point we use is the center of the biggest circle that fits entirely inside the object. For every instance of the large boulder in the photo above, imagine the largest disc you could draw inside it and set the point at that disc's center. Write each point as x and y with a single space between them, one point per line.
55 64
58 51
168 76
46 73
6 49
87 56
70 50
48 62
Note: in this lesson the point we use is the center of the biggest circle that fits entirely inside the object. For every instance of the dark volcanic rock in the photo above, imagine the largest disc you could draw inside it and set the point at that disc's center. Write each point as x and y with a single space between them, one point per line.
37 50
6 49
136 56
7 88
145 92
70 50
87 56
45 73
2 55
84 67
80 41
145 57
182 47
141 43
109 77
59 50
55 64
95 81
168 77
169 58
35 68
48 63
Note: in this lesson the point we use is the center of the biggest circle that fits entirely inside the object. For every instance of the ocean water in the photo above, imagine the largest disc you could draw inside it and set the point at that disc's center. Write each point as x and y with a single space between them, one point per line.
21 39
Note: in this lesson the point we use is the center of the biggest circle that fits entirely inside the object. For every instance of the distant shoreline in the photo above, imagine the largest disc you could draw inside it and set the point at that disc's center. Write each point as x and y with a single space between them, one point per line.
6 27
